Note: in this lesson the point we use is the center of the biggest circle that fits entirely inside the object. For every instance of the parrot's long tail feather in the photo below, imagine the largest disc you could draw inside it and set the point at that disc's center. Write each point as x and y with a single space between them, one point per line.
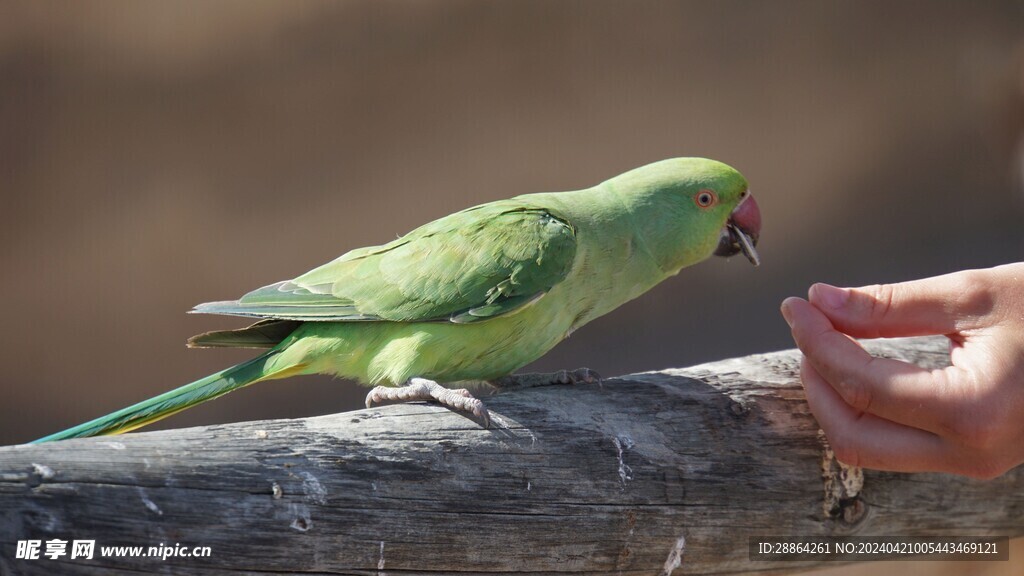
168 403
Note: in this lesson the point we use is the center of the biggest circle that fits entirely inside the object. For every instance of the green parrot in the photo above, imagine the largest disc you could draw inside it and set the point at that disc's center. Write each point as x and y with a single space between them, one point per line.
475 295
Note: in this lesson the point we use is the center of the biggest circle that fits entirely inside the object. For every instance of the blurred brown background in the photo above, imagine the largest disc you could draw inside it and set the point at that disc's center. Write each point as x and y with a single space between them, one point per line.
156 155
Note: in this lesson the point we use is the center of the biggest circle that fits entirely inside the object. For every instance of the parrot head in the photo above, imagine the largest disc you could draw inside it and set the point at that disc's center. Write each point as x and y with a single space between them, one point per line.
689 209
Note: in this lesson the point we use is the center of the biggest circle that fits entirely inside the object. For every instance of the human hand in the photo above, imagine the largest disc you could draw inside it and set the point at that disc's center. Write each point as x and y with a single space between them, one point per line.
890 415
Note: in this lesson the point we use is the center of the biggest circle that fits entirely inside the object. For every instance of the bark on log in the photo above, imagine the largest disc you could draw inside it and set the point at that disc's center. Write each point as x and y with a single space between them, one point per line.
646 474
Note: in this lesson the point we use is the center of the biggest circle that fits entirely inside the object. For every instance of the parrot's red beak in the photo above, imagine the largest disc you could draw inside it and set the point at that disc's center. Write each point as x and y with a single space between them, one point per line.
741 231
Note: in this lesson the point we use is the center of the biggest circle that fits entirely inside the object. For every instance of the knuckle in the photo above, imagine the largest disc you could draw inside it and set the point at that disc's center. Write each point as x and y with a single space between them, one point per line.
881 300
817 342
972 293
972 283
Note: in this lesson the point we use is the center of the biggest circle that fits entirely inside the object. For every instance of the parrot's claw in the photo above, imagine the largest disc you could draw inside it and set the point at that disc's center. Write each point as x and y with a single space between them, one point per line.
518 381
422 389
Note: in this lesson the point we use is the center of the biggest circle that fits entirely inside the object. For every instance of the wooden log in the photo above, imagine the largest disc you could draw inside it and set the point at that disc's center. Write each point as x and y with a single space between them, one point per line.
646 474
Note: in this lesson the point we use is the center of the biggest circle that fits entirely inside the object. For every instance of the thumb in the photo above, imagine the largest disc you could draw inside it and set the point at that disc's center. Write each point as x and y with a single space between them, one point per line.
940 305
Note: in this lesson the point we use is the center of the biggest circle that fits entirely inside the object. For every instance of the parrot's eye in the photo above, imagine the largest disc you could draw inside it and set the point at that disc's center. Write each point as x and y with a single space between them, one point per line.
705 198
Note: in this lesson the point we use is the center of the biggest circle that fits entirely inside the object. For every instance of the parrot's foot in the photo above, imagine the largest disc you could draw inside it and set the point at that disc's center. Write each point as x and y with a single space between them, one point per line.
422 389
519 381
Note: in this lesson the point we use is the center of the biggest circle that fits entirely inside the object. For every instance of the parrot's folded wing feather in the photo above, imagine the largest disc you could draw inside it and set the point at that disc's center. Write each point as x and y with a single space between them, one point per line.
283 311
473 265
263 334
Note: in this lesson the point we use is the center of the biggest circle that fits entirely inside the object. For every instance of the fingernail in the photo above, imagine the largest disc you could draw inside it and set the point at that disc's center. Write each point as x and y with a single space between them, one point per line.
786 312
829 296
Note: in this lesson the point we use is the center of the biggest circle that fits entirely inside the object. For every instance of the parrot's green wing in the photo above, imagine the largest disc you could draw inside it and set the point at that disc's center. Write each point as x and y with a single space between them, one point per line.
473 265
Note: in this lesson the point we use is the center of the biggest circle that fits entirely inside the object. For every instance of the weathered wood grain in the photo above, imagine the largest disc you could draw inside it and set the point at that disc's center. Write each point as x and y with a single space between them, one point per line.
645 474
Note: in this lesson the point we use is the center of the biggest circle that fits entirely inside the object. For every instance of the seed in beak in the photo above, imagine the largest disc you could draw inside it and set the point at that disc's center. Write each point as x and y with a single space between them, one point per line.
746 244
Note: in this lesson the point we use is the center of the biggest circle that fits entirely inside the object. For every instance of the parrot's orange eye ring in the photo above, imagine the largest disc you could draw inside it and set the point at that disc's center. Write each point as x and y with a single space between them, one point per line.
706 198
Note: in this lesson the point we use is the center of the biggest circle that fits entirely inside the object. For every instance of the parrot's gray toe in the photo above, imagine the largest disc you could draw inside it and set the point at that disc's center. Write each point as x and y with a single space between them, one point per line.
460 400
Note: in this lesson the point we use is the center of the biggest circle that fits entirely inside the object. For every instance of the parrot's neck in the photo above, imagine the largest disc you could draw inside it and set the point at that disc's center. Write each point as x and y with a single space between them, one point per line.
612 257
